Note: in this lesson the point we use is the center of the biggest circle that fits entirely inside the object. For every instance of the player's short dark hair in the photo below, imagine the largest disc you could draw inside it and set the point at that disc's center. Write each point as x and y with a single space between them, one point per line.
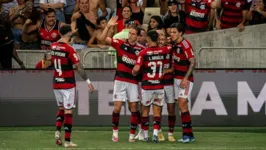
153 35
100 19
137 29
65 29
49 10
179 26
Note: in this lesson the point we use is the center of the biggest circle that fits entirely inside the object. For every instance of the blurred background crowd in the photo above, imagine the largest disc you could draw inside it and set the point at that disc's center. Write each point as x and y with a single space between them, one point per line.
33 24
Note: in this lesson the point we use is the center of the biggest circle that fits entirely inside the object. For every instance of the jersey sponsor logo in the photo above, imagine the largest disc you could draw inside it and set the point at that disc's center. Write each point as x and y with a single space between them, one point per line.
60 79
156 57
128 60
154 81
197 14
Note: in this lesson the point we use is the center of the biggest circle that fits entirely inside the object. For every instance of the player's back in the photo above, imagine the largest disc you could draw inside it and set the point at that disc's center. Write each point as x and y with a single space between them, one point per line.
63 58
153 64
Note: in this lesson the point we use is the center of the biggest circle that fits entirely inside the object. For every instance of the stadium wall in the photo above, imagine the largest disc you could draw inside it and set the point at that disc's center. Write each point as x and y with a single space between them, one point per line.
219 98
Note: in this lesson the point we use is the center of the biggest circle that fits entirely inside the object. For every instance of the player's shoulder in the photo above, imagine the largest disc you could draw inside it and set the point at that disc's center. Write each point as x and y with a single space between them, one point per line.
140 46
116 41
186 43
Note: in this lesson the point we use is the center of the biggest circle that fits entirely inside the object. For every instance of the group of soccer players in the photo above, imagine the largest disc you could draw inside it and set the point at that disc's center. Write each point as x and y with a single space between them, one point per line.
165 73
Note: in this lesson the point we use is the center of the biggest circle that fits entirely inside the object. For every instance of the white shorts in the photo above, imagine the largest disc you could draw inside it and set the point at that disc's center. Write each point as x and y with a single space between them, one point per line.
124 91
169 94
66 97
182 93
155 97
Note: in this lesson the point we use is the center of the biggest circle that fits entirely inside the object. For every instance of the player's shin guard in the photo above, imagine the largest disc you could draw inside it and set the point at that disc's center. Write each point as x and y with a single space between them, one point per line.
186 124
115 120
171 124
59 119
139 119
68 126
156 125
134 120
145 126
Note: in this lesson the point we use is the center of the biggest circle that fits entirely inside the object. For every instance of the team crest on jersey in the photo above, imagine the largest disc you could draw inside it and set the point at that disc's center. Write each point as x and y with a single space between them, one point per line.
149 52
54 35
115 41
137 52
238 4
202 7
41 34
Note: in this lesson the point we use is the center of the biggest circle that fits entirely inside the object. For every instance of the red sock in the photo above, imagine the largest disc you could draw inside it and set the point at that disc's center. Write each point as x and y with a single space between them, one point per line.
145 123
134 122
59 119
68 126
186 124
115 120
156 123
171 123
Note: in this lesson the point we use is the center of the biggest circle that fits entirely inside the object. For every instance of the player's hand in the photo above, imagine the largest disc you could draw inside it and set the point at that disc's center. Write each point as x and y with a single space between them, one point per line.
113 21
91 87
218 25
241 27
184 83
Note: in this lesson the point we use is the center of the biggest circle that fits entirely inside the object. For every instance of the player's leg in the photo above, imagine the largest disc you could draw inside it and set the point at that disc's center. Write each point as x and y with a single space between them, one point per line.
182 99
140 135
146 97
59 116
119 97
133 97
170 100
157 101
69 96
160 133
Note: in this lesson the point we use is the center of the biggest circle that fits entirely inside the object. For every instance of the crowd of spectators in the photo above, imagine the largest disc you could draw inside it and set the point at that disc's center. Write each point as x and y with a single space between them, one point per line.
33 25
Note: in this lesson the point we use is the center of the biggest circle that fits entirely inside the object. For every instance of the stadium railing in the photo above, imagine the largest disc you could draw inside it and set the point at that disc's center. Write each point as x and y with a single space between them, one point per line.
99 59
231 57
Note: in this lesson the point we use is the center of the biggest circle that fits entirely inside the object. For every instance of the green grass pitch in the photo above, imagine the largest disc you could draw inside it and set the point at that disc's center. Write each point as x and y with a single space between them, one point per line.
209 138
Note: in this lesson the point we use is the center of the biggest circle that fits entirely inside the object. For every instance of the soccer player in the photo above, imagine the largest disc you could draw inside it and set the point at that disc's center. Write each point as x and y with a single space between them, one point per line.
125 84
184 63
152 61
168 81
63 58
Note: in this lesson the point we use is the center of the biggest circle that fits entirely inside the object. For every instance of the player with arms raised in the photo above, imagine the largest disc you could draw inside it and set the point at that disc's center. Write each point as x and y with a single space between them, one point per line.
184 63
152 61
63 58
126 85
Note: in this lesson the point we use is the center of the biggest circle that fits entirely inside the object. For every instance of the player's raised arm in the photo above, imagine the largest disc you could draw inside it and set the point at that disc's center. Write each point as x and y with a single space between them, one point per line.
112 22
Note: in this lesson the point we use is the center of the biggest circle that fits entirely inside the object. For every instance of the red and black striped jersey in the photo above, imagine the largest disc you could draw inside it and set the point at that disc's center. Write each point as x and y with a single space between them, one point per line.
126 60
46 36
168 79
182 52
63 57
152 61
232 13
197 19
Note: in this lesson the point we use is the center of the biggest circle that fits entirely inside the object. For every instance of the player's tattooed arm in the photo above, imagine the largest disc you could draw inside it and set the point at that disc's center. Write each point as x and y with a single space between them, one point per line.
191 67
81 71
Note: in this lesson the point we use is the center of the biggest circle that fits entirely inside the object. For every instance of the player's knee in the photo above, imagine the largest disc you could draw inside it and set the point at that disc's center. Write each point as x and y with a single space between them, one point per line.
117 110
68 111
171 109
133 107
183 104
